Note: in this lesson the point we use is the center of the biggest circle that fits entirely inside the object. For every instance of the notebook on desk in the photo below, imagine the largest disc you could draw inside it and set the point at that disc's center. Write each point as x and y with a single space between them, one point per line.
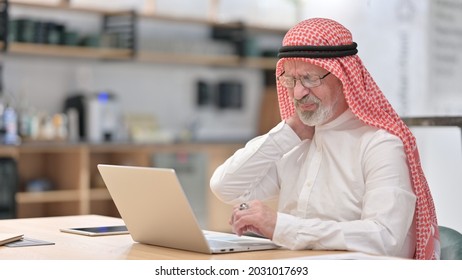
6 238
156 211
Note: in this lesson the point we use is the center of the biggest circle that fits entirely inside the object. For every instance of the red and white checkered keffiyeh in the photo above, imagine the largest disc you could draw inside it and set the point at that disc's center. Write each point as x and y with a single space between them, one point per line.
368 103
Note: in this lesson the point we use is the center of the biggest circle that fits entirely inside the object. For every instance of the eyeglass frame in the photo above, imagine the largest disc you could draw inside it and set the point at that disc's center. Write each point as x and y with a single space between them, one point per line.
320 78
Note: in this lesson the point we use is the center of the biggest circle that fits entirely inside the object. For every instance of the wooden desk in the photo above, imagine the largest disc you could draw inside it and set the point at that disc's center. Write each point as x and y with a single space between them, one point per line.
78 247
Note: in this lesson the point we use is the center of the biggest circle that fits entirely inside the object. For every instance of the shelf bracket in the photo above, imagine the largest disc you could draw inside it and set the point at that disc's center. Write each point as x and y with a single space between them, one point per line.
4 25
235 33
121 28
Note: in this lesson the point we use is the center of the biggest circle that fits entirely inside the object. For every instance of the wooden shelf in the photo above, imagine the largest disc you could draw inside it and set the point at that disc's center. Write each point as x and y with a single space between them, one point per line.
100 194
67 51
63 6
46 147
261 63
209 60
178 58
47 196
148 57
9 151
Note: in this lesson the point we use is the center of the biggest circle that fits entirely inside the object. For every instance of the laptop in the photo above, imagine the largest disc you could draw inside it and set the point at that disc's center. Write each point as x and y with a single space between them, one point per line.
156 211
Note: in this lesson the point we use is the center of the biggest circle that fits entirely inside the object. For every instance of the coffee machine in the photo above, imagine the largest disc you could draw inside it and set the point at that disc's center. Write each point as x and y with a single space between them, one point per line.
97 116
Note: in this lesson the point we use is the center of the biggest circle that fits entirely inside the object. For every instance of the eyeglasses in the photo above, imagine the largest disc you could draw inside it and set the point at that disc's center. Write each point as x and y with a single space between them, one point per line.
306 81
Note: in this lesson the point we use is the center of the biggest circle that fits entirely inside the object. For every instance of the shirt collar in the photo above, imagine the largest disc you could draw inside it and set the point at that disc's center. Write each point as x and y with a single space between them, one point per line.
344 117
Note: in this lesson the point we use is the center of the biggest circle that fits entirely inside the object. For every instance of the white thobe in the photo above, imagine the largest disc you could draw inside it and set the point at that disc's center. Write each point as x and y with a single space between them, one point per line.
348 188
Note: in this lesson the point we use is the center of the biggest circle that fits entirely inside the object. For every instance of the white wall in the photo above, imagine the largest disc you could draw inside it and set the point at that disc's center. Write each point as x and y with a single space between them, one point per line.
391 38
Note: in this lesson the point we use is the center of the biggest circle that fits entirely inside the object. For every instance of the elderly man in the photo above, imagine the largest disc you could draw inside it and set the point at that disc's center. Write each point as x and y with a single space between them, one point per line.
344 167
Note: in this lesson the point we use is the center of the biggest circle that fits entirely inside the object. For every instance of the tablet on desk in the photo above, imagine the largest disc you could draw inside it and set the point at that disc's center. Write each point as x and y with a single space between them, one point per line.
97 231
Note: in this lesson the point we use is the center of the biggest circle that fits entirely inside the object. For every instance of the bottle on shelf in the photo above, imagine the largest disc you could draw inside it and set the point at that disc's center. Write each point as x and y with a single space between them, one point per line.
10 124
8 118
2 126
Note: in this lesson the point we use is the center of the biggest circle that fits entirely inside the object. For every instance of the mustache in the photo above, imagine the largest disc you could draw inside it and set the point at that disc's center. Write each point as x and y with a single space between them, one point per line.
309 98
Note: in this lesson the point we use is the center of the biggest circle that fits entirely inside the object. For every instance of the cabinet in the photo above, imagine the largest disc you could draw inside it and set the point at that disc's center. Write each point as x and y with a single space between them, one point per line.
77 187
130 32
63 167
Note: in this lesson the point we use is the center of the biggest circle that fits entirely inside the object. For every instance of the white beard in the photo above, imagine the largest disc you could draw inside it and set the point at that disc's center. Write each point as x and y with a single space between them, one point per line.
316 117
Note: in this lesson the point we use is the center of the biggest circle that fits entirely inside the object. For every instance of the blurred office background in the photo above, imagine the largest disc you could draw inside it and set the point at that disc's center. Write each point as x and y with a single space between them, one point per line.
411 47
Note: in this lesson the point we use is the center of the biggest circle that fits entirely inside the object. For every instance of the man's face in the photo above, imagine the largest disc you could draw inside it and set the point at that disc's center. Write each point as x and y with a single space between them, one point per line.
316 105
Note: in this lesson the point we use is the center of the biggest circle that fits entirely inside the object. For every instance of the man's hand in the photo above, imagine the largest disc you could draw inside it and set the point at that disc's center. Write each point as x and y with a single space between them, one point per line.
302 130
258 218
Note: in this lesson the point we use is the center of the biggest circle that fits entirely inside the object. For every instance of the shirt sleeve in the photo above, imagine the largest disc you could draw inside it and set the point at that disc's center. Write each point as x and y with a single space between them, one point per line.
385 226
251 172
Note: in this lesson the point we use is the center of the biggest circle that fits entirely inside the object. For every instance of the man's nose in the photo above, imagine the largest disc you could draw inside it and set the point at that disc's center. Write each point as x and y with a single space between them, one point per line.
300 91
